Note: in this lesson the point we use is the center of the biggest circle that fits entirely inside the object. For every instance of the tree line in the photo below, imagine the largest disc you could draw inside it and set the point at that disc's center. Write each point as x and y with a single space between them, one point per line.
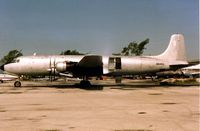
133 48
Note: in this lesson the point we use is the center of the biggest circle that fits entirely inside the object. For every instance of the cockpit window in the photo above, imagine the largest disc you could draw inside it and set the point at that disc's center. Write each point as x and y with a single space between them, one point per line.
16 60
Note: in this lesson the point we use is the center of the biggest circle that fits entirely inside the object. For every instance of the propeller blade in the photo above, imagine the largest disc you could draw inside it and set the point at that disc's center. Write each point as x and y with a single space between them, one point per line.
54 69
50 72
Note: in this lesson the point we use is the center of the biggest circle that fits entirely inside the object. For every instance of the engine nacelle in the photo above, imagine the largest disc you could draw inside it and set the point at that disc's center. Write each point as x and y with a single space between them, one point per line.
61 66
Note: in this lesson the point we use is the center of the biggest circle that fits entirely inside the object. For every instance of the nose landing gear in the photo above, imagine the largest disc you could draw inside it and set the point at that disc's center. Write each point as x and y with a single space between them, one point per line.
17 84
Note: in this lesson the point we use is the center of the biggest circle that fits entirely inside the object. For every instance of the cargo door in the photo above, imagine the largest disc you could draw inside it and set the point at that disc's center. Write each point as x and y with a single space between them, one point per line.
114 63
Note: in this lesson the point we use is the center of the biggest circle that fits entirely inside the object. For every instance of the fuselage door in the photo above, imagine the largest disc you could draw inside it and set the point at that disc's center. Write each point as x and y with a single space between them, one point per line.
118 64
114 63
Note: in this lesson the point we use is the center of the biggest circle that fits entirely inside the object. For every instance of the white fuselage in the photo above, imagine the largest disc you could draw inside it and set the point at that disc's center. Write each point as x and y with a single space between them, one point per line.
113 65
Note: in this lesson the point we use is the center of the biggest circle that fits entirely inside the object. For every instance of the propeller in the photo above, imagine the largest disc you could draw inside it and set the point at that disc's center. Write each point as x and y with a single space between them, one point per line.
52 69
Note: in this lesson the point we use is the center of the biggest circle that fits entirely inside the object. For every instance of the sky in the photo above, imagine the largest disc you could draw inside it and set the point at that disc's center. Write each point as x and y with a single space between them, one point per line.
96 26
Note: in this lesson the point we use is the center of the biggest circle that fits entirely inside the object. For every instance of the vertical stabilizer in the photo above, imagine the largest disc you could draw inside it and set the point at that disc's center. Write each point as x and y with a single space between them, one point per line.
175 50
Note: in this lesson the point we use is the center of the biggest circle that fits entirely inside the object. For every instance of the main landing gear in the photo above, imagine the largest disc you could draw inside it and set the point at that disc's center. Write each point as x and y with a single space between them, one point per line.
85 84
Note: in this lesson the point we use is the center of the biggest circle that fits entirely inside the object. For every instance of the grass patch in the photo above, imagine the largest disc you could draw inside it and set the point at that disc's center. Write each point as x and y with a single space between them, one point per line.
186 81
180 82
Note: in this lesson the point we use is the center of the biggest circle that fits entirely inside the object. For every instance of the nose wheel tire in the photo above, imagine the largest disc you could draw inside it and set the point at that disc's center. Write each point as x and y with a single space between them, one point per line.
17 84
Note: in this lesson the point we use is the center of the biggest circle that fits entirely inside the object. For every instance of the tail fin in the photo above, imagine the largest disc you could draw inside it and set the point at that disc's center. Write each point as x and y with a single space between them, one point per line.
175 52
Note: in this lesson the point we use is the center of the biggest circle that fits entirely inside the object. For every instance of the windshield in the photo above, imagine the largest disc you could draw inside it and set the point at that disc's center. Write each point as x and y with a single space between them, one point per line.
16 60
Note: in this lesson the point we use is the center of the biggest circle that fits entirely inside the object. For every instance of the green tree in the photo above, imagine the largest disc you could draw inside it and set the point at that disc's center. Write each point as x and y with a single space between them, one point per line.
71 52
135 48
11 56
125 51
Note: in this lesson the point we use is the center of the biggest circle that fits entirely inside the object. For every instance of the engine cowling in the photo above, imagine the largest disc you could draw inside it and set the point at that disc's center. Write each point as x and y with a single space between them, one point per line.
62 66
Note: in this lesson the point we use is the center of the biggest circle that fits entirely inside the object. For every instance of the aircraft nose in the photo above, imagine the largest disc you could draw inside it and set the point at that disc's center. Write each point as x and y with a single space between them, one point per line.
2 67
